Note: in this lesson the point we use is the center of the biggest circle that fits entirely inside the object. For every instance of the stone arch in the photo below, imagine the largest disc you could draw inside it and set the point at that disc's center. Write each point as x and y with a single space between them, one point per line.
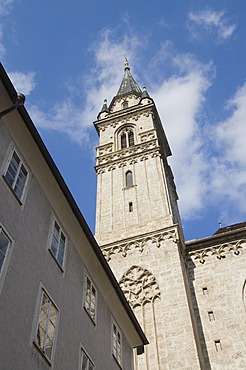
125 136
139 286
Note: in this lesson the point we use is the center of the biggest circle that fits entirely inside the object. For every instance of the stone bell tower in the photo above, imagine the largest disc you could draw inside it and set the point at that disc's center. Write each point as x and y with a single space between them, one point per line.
138 225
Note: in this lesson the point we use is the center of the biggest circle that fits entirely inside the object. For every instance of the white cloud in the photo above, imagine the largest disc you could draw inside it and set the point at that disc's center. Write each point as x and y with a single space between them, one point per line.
5 6
212 22
64 117
23 82
228 179
180 102
102 82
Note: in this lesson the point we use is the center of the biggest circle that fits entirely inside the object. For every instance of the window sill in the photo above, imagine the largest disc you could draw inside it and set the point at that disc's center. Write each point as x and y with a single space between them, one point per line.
42 353
117 362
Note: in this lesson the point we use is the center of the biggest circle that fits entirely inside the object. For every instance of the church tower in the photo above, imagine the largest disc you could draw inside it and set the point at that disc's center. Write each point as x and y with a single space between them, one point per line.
138 226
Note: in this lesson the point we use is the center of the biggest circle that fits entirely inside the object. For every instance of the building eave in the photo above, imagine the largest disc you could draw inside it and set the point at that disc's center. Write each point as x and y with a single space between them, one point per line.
73 205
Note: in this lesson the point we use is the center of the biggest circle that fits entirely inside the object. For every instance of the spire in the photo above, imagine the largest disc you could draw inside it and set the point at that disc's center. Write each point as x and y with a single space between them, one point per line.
104 107
145 93
128 83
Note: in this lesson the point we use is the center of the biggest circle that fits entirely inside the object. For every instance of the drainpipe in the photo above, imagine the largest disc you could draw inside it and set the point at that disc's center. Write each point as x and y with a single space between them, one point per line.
20 99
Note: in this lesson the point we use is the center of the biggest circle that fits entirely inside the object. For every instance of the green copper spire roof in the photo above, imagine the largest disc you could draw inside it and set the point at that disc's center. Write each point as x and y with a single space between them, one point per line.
128 83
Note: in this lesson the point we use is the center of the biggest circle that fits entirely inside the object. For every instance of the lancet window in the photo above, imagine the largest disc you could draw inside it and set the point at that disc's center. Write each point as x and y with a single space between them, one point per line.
129 179
126 138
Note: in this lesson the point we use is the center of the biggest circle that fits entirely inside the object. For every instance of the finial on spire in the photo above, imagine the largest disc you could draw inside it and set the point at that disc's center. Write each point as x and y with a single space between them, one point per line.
126 64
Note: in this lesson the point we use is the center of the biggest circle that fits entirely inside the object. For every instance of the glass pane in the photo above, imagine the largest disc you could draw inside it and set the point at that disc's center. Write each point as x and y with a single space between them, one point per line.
11 172
84 361
20 182
131 138
43 318
48 347
123 141
40 337
53 314
129 181
45 303
1 260
4 242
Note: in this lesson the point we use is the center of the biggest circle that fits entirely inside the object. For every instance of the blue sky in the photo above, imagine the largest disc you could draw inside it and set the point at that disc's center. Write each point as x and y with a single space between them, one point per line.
66 57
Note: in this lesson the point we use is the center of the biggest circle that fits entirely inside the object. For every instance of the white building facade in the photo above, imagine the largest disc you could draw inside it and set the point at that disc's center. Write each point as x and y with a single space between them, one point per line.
60 305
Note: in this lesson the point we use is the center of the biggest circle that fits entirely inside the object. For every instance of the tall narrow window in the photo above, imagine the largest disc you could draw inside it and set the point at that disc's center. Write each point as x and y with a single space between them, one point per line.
117 343
130 207
123 141
131 138
86 363
126 138
90 298
58 243
211 316
129 180
47 326
218 345
4 247
16 175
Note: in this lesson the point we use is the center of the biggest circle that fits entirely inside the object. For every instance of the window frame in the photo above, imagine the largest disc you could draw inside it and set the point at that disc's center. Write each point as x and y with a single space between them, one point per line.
21 164
43 292
55 253
87 304
90 364
7 257
116 350
129 179
126 137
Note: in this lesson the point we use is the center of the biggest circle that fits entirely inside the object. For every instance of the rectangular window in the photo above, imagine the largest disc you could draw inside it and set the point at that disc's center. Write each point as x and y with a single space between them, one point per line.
90 298
218 345
116 343
205 291
47 326
211 316
130 207
86 363
16 175
58 244
4 247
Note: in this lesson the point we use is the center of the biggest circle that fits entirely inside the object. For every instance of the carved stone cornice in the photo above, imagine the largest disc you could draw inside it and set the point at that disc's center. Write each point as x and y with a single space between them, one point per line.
143 149
121 117
139 243
220 251
111 165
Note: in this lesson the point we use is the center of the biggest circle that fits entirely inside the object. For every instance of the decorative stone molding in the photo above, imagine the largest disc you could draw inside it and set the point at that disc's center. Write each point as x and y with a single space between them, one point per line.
220 251
139 286
104 149
119 118
147 136
139 244
135 153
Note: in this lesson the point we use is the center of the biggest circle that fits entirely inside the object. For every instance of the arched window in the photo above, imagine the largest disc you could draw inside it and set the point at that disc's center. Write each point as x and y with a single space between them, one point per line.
125 104
126 138
123 140
129 180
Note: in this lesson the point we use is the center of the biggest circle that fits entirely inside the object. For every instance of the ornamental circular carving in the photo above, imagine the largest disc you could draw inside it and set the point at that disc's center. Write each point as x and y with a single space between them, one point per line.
139 286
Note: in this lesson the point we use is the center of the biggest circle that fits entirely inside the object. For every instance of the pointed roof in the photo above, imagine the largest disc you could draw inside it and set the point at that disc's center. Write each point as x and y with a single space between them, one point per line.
128 83
104 107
